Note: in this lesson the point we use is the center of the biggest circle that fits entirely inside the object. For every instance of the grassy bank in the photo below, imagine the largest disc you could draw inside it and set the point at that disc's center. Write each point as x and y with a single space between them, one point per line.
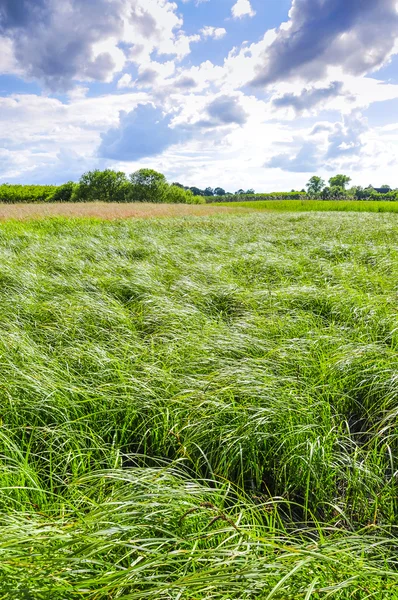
199 408
319 205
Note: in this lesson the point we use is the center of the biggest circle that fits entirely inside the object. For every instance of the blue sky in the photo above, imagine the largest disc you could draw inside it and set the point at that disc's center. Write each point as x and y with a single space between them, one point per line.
230 93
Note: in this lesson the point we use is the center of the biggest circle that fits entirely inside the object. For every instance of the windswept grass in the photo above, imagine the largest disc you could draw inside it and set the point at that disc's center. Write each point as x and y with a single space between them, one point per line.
199 408
109 211
319 205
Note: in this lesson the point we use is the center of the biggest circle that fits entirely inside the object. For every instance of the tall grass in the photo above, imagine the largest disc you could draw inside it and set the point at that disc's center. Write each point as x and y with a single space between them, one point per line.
320 205
199 408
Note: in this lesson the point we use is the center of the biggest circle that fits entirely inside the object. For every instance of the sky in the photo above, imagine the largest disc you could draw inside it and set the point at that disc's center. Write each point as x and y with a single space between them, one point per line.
236 94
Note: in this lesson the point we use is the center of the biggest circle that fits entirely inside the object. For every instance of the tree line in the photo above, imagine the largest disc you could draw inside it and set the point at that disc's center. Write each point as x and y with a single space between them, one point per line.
218 192
147 185
337 190
144 185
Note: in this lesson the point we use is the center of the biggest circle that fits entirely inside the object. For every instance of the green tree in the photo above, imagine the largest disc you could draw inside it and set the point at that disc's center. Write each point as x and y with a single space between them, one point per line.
208 192
108 186
219 191
250 192
196 191
339 181
65 192
176 195
315 186
335 192
148 185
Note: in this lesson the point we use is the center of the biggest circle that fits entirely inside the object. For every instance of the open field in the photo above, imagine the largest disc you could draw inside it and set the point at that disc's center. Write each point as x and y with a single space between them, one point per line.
139 210
199 408
109 211
318 205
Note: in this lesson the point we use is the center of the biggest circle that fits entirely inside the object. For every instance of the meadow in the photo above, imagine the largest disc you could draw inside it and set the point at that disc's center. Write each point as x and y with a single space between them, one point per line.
145 210
199 407
319 205
111 211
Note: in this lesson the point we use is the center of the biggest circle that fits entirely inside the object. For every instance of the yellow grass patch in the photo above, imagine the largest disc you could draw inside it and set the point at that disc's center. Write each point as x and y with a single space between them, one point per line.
104 210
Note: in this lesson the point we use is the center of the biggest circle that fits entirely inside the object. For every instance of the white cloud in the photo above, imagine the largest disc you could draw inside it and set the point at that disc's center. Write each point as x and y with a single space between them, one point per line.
359 36
213 32
242 8
48 140
89 40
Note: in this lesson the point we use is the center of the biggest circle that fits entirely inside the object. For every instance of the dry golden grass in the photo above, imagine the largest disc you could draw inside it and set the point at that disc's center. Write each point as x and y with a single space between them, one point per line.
103 210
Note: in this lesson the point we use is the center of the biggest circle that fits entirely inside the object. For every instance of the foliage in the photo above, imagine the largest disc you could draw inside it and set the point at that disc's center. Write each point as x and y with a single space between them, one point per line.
196 191
11 194
208 192
107 186
315 186
219 191
334 193
199 408
339 181
258 197
148 185
68 192
177 195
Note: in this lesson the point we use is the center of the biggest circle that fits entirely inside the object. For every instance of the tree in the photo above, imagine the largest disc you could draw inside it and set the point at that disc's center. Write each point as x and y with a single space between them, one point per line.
339 181
108 186
239 192
65 192
315 186
335 192
208 192
148 185
196 191
250 192
219 191
175 194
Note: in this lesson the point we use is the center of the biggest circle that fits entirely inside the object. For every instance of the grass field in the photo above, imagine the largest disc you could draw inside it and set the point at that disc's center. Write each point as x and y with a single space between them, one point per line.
139 210
109 210
199 408
318 205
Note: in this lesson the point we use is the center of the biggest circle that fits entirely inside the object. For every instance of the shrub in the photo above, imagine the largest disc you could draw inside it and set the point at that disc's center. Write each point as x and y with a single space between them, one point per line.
177 195
65 192
258 197
12 194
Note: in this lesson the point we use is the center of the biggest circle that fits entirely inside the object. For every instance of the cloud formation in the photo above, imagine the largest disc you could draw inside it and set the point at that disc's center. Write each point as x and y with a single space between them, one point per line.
213 32
304 161
309 98
242 8
333 144
59 42
141 133
357 35
208 124
226 110
55 42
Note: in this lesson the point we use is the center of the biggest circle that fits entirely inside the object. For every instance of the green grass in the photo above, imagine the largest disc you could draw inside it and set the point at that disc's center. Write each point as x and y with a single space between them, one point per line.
318 205
199 408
